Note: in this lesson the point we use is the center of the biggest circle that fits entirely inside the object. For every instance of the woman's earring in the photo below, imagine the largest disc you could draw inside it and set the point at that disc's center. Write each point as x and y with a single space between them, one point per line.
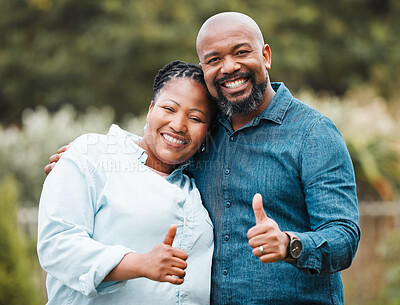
144 128
203 147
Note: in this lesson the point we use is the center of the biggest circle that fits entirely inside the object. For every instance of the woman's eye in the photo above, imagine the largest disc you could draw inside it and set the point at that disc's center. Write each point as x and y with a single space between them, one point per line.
197 120
168 109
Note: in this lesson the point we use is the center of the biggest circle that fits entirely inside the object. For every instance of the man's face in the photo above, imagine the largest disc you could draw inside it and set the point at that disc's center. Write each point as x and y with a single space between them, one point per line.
235 65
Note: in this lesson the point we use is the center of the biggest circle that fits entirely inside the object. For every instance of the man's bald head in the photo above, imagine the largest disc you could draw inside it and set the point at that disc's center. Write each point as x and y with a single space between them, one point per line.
233 19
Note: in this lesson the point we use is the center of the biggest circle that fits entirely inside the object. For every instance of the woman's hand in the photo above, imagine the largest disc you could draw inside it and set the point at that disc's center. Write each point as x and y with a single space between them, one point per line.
163 263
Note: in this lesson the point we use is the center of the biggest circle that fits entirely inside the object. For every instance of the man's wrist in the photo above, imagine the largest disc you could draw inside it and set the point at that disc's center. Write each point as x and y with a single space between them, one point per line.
294 248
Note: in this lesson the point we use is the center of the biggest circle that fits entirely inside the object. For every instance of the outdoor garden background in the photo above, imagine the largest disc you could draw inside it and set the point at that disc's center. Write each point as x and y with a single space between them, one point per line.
69 67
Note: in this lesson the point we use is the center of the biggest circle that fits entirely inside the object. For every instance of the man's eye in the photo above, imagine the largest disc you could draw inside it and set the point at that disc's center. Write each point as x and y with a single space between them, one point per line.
241 52
212 60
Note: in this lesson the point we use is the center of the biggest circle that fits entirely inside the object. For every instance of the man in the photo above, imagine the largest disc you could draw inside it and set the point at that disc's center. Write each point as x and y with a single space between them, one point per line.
288 244
270 143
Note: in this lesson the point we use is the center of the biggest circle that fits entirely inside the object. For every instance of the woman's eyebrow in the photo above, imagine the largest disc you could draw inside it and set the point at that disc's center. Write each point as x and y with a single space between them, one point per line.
198 110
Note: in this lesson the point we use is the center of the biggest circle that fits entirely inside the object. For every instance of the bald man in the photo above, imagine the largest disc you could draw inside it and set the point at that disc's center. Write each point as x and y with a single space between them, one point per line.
288 244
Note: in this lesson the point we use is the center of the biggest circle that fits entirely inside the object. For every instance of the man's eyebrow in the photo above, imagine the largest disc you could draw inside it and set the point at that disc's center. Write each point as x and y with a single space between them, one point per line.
210 55
235 47
243 44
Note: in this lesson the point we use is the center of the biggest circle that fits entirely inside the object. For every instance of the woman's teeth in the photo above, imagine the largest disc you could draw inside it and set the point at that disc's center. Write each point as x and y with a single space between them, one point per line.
235 84
173 140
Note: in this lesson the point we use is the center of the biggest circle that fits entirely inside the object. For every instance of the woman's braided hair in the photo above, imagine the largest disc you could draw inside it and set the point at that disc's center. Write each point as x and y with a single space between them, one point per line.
177 69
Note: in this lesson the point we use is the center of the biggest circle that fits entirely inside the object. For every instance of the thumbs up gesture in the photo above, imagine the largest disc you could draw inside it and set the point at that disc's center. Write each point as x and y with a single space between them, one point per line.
269 243
165 263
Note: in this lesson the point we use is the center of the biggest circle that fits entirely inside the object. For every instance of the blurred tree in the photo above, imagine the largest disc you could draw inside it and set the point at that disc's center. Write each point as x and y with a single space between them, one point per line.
16 276
106 52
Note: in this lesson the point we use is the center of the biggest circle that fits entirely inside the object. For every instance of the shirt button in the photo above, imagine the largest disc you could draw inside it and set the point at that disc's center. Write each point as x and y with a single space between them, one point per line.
228 204
233 139
226 237
225 272
227 171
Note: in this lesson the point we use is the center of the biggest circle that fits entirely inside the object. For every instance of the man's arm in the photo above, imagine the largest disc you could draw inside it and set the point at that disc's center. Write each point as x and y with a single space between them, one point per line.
328 181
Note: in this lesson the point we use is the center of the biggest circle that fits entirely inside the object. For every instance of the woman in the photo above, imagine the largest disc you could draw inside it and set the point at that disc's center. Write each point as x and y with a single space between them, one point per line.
118 207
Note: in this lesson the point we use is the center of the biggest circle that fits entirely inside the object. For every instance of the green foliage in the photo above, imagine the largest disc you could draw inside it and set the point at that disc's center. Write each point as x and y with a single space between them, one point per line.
106 52
25 151
17 283
390 252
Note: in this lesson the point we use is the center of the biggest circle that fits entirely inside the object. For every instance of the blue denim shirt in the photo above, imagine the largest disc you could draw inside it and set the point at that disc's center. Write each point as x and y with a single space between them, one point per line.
297 160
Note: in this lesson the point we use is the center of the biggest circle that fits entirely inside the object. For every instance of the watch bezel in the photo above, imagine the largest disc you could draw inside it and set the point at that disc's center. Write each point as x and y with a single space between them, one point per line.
295 248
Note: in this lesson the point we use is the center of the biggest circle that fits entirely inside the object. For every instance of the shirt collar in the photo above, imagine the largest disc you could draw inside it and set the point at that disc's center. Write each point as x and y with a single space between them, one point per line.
129 140
275 111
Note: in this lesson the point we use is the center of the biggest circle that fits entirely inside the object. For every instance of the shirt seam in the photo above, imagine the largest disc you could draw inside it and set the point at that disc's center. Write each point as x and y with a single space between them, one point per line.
303 144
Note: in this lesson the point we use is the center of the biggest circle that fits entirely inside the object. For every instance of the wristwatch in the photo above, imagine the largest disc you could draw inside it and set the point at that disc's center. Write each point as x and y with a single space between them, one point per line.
295 247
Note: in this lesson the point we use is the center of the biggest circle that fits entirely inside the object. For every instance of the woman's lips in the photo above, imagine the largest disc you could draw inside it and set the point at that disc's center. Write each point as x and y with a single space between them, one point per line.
173 140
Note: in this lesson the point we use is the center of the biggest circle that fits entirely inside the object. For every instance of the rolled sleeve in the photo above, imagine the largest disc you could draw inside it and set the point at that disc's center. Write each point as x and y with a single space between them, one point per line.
66 249
331 200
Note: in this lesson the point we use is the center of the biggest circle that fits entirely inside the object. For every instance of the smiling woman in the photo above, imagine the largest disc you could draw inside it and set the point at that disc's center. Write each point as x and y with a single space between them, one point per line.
97 203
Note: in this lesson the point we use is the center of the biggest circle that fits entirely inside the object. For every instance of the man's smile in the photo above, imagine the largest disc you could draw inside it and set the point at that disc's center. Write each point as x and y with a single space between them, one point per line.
235 83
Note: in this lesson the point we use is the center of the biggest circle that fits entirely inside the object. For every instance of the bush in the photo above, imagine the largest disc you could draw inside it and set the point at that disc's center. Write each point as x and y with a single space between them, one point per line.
26 150
17 281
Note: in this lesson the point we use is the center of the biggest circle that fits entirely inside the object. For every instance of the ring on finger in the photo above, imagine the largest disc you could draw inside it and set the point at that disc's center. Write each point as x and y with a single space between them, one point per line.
261 248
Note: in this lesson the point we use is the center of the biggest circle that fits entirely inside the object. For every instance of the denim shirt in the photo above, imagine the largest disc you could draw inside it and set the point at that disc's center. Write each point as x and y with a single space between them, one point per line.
101 202
297 160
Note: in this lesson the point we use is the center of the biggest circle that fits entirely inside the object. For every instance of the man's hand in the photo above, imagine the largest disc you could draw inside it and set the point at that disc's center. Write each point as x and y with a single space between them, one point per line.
269 243
54 158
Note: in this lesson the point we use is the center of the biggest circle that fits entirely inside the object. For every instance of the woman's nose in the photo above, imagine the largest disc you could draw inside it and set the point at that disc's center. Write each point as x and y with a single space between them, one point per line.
179 124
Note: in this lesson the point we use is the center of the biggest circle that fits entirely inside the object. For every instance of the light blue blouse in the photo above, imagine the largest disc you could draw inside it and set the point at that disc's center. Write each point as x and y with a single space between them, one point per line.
101 202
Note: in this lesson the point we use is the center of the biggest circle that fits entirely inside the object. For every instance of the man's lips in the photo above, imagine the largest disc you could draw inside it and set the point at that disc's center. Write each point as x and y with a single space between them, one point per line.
234 84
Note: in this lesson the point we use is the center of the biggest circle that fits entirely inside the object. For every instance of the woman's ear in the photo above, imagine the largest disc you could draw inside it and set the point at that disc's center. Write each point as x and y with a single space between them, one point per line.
150 109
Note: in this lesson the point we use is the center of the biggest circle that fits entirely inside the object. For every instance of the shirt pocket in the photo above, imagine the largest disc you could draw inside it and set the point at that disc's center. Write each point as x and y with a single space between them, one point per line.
207 217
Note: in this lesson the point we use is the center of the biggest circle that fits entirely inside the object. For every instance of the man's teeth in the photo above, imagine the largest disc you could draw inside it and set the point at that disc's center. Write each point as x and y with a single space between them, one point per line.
173 140
234 84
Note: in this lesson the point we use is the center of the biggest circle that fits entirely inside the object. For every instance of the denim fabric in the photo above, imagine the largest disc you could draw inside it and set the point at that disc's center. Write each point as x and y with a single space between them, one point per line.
296 158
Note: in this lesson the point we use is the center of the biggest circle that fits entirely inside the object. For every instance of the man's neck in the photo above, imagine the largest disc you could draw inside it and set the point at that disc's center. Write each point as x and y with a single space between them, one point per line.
238 121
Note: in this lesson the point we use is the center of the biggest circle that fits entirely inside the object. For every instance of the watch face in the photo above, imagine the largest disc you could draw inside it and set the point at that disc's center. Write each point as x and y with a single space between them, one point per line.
295 248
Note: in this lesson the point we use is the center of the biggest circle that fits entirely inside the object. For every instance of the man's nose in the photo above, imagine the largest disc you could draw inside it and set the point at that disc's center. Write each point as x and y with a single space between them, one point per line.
229 65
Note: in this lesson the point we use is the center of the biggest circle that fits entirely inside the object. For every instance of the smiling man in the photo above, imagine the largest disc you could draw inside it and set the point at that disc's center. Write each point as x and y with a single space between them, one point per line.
268 142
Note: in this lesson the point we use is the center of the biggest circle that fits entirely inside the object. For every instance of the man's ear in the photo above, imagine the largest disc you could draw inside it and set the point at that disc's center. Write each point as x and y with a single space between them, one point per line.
267 56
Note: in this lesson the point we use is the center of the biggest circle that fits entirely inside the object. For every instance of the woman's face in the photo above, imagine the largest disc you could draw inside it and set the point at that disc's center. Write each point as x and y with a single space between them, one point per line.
177 124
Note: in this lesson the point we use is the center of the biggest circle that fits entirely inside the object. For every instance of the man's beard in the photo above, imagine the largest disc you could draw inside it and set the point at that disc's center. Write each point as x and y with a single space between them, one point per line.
246 105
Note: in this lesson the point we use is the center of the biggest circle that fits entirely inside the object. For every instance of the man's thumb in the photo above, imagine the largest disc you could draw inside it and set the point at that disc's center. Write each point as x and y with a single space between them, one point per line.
258 209
169 238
